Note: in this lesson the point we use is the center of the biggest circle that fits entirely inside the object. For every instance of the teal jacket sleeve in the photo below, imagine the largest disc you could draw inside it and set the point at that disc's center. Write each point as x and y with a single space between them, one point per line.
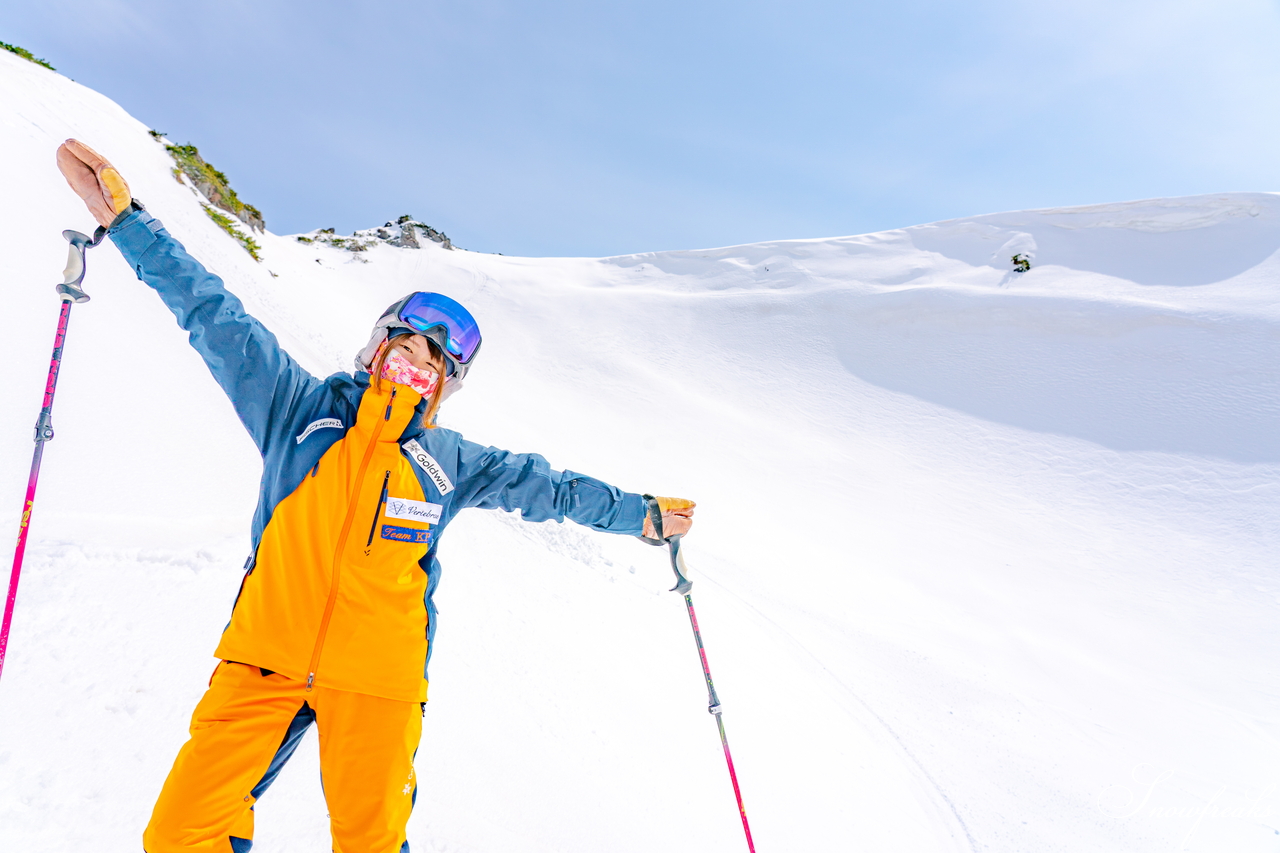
264 383
490 478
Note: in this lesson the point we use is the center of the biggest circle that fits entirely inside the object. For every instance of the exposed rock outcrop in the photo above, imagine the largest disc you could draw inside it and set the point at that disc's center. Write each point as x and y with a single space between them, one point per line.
404 233
211 183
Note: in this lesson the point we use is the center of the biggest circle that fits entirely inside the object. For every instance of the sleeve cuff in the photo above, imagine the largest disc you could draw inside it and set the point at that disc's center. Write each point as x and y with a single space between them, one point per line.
134 205
630 519
134 232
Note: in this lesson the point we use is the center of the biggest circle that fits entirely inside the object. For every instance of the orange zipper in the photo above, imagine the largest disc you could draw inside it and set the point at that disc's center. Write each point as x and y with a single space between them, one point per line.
342 544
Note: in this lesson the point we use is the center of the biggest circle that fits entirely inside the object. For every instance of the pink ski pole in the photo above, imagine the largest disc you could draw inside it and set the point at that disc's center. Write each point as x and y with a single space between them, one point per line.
683 586
714 701
70 292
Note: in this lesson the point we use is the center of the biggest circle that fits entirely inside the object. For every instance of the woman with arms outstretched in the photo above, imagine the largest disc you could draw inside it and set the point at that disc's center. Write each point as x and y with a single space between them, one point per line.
334 620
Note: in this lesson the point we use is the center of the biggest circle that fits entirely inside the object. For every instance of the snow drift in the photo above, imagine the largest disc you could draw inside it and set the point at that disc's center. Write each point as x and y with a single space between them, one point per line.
984 560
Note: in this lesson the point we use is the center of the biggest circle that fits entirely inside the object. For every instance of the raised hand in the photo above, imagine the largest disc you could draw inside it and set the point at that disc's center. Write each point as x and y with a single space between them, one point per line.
95 180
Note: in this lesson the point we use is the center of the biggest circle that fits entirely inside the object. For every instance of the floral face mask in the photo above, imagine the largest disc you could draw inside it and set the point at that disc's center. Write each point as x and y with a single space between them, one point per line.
398 369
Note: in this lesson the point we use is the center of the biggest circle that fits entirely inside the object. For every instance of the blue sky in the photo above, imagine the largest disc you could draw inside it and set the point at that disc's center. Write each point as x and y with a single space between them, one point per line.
588 128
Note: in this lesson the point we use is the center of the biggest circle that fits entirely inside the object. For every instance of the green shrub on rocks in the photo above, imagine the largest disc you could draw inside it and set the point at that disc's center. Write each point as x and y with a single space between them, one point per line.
26 54
213 184
226 223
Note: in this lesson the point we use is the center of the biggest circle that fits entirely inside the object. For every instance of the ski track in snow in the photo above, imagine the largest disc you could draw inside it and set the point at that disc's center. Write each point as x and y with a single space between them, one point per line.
867 711
984 560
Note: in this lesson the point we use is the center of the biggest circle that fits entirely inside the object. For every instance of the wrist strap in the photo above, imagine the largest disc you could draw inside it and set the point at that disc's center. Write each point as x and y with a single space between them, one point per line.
654 513
134 204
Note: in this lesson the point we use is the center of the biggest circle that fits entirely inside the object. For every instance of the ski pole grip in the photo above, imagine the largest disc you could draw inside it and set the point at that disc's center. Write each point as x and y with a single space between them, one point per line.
70 290
683 584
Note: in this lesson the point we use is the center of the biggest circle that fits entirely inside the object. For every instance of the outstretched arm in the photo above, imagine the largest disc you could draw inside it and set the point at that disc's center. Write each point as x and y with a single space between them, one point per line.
261 379
499 479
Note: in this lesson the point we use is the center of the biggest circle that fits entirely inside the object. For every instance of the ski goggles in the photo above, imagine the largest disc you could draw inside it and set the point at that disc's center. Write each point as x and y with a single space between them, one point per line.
444 321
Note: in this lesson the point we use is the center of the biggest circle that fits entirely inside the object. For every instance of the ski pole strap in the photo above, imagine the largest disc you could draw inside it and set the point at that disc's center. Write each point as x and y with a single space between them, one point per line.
654 513
683 584
134 204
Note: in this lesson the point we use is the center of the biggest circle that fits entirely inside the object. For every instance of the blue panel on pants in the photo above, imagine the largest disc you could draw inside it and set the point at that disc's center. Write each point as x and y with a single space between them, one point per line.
292 737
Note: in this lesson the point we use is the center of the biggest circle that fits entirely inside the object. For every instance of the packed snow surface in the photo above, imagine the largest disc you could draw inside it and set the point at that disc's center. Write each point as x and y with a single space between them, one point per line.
984 561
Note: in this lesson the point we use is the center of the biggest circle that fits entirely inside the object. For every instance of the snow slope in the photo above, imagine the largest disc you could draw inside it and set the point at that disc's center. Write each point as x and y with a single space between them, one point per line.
984 561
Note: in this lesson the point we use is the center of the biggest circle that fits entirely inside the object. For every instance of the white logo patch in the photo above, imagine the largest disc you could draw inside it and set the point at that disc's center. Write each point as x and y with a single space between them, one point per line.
411 510
433 468
320 424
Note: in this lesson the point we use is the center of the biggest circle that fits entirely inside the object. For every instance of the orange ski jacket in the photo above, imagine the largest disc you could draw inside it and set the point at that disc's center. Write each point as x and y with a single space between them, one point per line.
355 494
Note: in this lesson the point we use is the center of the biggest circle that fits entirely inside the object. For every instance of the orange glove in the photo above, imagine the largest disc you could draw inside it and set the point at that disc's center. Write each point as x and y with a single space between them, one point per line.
95 180
677 518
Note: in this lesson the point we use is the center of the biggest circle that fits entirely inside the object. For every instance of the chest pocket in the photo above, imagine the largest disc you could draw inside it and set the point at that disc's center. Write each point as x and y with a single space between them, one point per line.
402 526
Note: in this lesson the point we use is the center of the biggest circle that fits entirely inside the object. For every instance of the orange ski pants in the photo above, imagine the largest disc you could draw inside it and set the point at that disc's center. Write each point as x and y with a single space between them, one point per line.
244 730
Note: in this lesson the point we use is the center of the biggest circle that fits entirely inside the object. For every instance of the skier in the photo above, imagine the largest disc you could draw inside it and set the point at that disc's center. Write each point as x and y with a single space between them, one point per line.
334 622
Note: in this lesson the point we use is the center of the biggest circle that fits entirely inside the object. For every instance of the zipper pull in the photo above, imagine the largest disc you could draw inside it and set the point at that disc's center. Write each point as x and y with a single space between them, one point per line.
311 679
387 416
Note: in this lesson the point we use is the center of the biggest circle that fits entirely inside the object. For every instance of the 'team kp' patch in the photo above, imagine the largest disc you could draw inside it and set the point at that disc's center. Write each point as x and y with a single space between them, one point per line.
412 535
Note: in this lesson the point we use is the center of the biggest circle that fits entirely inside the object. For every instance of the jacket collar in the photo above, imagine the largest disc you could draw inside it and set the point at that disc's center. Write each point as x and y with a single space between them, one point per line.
398 406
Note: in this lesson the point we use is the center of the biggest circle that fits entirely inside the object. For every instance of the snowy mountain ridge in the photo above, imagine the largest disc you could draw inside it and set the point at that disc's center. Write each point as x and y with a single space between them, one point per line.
984 560
404 233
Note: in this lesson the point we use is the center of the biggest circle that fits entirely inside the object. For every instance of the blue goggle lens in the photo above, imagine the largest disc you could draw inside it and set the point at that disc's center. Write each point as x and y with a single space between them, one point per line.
426 311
